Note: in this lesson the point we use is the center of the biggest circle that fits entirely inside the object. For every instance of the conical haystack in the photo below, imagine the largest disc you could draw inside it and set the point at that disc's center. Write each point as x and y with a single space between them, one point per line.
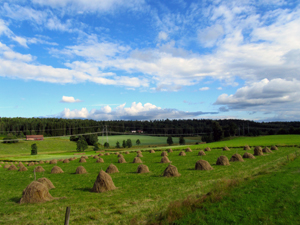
53 161
47 161
165 159
207 149
248 155
100 160
100 155
20 164
139 155
117 153
66 161
164 154
258 151
22 168
82 160
203 165
60 160
6 166
201 153
143 169
36 192
56 169
112 169
171 171
236 157
107 153
12 167
96 157
45 181
121 160
39 169
170 150
120 156
139 151
223 161
36 163
267 150
127 153
71 159
137 160
80 170
152 151
246 147
103 183
226 148
273 147
182 153
188 150
31 164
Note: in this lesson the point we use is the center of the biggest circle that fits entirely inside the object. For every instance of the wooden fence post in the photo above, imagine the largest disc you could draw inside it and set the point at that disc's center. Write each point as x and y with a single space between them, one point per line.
67 216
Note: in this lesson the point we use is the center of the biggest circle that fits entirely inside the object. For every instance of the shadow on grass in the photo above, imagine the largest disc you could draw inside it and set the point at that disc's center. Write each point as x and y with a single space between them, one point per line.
15 199
86 189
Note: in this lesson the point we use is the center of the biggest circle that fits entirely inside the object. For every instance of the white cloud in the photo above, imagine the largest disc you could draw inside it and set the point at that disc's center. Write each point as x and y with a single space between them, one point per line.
204 89
162 36
69 99
210 35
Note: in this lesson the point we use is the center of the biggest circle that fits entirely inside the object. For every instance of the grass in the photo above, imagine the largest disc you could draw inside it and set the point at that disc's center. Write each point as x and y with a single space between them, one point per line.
139 197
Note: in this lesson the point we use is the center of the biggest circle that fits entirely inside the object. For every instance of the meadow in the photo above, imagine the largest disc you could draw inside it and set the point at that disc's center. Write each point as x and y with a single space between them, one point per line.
139 198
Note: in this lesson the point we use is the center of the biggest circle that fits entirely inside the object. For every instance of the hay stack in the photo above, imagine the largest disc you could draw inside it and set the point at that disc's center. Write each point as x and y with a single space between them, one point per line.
36 192
139 151
107 153
31 164
20 164
201 152
6 166
203 165
100 160
53 161
246 147
71 159
137 160
39 169
82 160
1 162
226 148
207 149
100 155
164 154
143 169
41 162
56 169
112 169
182 153
12 167
223 161
165 159
22 168
66 161
258 151
120 156
152 151
103 183
139 155
35 163
47 161
236 157
45 181
80 170
127 153
84 157
60 160
248 155
188 150
121 160
274 147
117 153
267 150
96 157
171 171
170 150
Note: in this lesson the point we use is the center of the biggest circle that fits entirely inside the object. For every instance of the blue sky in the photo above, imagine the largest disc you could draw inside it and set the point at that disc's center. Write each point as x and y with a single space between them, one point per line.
145 60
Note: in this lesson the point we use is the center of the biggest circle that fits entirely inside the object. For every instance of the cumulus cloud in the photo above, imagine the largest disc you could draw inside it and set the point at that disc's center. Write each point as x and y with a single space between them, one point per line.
69 99
137 111
204 89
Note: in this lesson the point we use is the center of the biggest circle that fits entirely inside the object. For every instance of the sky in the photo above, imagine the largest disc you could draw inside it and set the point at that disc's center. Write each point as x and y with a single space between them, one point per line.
150 60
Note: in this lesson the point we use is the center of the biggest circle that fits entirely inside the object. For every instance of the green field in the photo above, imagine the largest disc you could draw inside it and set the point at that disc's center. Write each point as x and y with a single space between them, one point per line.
139 197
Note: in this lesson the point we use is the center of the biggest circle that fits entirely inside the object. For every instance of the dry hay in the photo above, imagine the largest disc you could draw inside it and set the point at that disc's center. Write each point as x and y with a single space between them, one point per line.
188 150
120 156
223 161
80 170
36 163
1 162
41 162
139 155
137 160
45 181
100 154
171 171
127 153
201 152
100 160
39 169
236 157
164 154
142 169
182 153
103 183
152 151
47 161
248 155
60 160
203 165
226 148
274 147
107 153
139 151
258 151
12 167
56 169
165 159
31 164
267 150
6 166
112 169
20 164
36 192
121 160
22 168
0 166
66 161
207 149
246 147
96 157
53 161
170 150
82 160
84 157
71 159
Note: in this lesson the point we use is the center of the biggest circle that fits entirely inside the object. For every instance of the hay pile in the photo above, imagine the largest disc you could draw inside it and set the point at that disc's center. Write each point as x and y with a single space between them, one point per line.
112 169
85 157
117 153
6 166
248 155
203 165
201 152
152 151
182 153
53 161
127 153
137 160
188 150
20 164
100 155
267 150
258 151
103 183
82 160
139 151
246 147
36 163
100 160
164 154
56 169
47 161
66 161
273 147
139 155
107 153
39 169
96 157
236 157
80 170
171 171
170 150
45 181
142 169
60 160
207 149
36 192
223 161
41 162
121 160
22 168
12 167
165 159
31 164
120 156
226 148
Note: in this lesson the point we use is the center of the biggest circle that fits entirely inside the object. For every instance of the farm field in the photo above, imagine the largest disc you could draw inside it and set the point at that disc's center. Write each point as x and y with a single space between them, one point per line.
138 197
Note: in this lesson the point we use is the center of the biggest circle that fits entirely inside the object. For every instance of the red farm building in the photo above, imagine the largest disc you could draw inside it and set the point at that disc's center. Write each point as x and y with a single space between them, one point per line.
34 137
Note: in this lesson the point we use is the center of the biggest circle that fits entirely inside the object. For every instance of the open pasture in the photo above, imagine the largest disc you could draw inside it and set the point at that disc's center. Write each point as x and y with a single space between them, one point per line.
138 197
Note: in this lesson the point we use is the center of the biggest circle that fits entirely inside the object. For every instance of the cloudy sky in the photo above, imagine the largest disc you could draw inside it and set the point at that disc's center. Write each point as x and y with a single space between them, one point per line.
143 59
